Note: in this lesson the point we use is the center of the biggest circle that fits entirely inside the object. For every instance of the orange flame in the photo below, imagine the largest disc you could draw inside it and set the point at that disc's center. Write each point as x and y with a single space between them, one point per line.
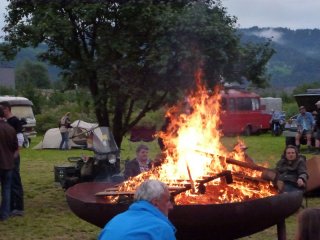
192 142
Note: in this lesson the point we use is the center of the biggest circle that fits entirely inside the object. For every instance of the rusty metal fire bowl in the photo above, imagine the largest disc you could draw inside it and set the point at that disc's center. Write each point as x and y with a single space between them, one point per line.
208 221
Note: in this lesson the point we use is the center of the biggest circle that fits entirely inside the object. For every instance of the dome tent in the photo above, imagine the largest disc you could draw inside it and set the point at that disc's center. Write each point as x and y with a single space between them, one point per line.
77 137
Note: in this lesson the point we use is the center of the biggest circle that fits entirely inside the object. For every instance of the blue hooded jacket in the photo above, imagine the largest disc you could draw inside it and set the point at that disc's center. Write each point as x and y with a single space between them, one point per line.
142 221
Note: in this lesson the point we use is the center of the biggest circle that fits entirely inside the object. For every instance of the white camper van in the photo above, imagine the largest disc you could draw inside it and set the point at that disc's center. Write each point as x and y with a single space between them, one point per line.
21 107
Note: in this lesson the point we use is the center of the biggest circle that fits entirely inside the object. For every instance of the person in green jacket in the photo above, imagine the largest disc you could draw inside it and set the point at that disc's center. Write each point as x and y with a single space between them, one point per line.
292 170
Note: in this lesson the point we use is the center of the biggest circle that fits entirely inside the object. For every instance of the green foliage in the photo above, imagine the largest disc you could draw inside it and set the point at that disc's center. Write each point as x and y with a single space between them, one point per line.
130 66
286 98
51 114
291 109
32 74
46 121
33 95
303 88
6 91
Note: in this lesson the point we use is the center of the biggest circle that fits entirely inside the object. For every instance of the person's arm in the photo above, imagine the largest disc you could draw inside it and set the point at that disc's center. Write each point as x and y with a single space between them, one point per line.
20 139
299 124
302 172
128 170
14 145
278 165
312 121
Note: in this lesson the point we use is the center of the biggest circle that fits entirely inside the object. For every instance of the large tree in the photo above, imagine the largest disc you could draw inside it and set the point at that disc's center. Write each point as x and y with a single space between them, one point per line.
133 55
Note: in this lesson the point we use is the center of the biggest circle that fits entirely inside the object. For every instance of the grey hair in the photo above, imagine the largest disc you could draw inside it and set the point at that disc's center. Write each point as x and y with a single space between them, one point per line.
150 189
140 147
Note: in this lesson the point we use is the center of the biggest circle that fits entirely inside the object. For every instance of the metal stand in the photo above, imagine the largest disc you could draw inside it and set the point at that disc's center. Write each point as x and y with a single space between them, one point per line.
281 230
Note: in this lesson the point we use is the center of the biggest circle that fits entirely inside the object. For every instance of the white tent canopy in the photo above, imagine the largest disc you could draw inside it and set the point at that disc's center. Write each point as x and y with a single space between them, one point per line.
77 136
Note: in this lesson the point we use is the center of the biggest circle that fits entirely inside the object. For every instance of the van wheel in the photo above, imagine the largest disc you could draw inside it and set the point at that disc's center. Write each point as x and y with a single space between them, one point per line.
248 131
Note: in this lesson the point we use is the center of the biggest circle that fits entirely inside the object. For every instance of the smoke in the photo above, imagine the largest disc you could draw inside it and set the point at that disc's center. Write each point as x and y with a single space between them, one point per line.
270 33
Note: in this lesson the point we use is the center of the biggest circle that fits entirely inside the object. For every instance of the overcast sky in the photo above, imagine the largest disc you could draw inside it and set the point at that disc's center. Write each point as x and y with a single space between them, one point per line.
3 4
293 14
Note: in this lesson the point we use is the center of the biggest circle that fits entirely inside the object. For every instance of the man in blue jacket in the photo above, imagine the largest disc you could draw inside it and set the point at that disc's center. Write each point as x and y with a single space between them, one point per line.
305 124
146 218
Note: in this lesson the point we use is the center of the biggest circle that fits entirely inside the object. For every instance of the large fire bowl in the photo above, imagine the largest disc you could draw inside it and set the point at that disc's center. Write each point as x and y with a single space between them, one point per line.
211 221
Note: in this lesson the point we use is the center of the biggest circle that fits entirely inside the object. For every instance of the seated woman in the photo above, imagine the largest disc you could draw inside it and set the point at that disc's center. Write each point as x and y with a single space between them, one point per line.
292 170
139 164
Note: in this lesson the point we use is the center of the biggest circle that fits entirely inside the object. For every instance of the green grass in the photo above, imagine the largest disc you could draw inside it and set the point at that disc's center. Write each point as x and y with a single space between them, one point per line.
47 215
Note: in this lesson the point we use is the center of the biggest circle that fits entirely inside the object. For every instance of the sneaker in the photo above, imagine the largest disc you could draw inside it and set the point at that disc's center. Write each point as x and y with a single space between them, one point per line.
16 212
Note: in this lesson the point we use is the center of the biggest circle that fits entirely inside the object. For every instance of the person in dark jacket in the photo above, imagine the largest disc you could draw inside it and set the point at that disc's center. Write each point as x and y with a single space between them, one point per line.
292 170
317 127
146 218
8 146
140 164
17 193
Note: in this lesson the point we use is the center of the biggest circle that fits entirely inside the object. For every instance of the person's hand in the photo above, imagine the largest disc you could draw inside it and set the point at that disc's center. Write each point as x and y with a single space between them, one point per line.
300 182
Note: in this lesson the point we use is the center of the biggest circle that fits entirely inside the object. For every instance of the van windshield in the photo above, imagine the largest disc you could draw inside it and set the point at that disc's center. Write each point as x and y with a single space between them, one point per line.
22 111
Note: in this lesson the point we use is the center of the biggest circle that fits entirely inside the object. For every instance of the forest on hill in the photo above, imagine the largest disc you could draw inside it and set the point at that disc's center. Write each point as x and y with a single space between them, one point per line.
296 59
297 54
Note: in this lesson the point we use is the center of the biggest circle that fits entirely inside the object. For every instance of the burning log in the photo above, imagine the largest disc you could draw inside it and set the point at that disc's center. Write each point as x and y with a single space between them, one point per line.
266 173
174 190
193 189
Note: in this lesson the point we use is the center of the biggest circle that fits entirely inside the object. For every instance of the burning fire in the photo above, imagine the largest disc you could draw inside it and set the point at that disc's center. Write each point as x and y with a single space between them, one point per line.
194 151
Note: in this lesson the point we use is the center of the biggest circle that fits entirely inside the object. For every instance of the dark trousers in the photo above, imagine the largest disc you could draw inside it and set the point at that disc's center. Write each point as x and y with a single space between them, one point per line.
16 187
291 187
5 179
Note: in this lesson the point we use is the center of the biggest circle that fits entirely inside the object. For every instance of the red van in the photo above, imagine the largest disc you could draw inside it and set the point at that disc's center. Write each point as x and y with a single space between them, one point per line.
242 113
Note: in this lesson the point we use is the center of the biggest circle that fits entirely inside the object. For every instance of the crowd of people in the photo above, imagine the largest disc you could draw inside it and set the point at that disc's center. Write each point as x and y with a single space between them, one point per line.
152 198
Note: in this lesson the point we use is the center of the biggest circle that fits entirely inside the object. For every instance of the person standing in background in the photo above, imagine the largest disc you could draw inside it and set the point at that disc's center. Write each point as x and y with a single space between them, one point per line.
17 201
8 146
317 127
305 123
64 125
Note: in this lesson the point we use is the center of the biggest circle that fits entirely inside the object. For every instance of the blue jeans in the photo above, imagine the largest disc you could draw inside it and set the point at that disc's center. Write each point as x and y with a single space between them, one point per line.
5 178
16 187
64 140
291 187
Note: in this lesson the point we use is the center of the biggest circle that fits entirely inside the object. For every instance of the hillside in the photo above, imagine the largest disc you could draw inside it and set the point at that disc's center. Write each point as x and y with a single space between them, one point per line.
296 59
297 54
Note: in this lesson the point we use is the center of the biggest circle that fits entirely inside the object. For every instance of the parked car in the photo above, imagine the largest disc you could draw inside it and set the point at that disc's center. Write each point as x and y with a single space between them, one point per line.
308 100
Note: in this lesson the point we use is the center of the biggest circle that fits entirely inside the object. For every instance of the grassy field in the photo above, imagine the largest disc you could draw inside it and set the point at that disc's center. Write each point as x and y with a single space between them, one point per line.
47 215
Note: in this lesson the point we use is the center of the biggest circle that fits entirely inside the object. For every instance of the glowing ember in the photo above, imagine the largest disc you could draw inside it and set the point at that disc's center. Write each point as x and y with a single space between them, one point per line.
192 141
